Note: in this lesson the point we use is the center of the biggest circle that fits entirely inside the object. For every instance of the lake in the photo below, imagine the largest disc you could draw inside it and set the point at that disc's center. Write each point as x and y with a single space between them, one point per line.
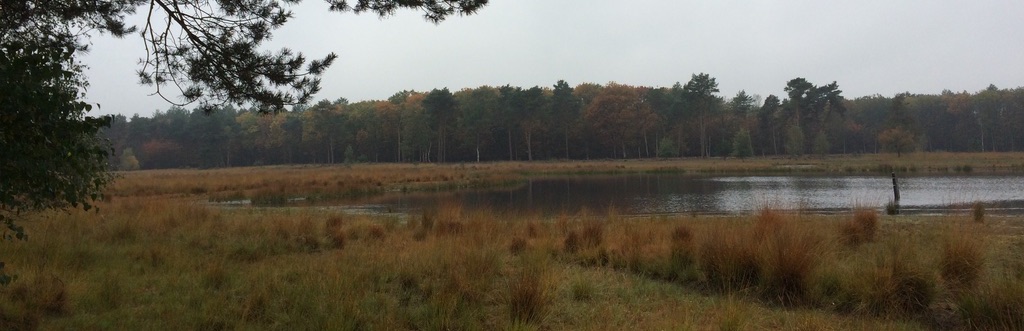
653 194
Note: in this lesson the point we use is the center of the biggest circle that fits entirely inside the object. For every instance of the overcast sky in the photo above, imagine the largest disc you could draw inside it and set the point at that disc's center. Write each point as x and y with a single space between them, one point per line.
867 46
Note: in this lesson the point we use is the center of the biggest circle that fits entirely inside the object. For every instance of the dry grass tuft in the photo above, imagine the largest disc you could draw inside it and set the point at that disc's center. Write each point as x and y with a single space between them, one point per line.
572 242
962 259
517 246
996 306
861 228
376 231
767 222
729 259
592 234
528 293
532 230
681 256
788 259
899 284
337 237
334 222
978 212
449 227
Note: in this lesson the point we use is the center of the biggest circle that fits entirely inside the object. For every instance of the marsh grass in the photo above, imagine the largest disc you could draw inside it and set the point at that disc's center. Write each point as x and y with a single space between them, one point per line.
157 252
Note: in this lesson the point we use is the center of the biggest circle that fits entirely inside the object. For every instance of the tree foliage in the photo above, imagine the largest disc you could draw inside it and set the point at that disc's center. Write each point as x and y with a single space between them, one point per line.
896 140
209 51
488 125
50 154
741 144
700 91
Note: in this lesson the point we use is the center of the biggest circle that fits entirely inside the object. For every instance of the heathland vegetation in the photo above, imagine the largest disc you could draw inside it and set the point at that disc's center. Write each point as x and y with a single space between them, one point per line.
157 251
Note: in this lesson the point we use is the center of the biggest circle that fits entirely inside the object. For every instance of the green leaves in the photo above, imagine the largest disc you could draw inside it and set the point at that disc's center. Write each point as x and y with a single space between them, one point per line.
50 154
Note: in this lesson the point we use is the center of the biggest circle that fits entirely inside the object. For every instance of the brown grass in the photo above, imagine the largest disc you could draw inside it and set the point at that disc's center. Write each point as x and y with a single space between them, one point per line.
163 256
682 264
788 259
898 284
996 306
592 234
528 294
572 242
962 259
517 246
861 228
729 259
978 212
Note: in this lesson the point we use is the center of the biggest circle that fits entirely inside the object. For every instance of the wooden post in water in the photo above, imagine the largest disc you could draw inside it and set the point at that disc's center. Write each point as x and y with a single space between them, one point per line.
895 193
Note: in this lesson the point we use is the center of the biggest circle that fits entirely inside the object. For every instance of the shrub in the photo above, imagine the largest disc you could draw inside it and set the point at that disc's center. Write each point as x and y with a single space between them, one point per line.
861 228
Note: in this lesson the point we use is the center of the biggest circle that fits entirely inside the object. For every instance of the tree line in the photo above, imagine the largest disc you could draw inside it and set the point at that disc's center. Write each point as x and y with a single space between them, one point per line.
588 121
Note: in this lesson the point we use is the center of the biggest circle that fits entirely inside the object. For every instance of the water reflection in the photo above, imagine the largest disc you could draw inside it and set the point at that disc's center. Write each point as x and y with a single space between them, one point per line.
673 194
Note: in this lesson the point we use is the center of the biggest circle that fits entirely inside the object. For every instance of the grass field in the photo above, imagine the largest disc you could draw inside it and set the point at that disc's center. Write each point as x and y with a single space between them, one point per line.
157 256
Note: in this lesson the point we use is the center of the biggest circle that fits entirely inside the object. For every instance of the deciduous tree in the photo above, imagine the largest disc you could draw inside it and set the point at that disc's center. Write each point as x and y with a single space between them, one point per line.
50 154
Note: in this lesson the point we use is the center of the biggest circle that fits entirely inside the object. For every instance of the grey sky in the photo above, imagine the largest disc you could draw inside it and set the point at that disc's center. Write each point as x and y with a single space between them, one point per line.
867 46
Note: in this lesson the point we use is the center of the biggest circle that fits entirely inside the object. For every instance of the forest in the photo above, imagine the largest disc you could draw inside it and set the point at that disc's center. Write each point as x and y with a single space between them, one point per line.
588 121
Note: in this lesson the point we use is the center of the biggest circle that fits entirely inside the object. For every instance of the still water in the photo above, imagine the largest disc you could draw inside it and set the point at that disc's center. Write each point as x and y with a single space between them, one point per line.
687 194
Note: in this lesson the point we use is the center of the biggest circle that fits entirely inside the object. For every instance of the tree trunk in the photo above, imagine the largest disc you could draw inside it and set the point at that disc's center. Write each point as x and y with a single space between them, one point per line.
775 143
567 142
703 136
647 148
330 151
529 145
